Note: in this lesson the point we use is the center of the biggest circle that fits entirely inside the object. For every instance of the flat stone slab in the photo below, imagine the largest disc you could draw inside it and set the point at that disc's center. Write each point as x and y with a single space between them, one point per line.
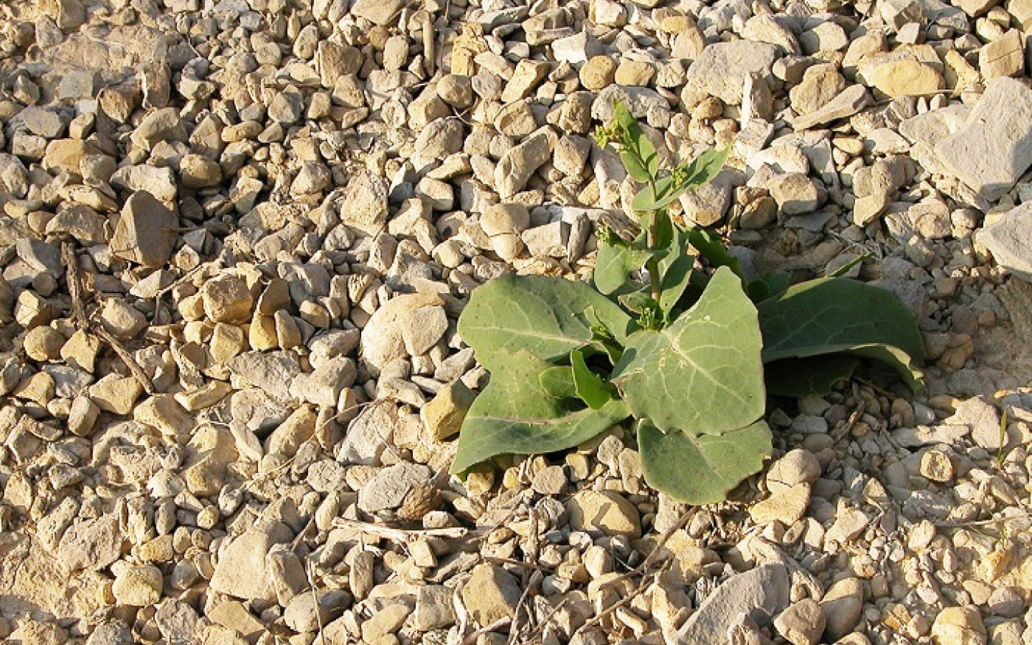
1009 239
722 68
761 594
994 147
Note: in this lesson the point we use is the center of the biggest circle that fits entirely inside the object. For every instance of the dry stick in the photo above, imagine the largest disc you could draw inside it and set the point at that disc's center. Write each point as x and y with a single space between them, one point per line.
544 623
516 563
74 285
82 323
851 421
315 598
654 553
640 589
126 357
535 579
498 624
401 535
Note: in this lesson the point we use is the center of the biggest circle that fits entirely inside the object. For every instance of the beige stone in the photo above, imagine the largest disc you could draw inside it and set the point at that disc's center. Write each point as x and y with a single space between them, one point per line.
1004 56
43 344
491 594
210 451
785 506
634 73
906 77
261 334
138 586
233 615
32 310
121 319
527 75
82 416
959 626
936 466
603 512
226 342
115 393
81 351
38 388
227 299
386 621
598 73
163 412
444 414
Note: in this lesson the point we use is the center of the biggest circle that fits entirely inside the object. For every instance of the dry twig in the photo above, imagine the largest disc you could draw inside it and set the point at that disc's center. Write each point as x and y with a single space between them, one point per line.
498 624
401 535
654 553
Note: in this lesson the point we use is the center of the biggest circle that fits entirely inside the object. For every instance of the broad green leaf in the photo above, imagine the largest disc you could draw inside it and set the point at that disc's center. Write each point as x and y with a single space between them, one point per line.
676 279
700 171
836 315
545 316
614 263
701 470
589 386
848 266
514 414
706 166
636 301
637 152
557 382
702 374
769 285
710 246
811 376
666 192
895 358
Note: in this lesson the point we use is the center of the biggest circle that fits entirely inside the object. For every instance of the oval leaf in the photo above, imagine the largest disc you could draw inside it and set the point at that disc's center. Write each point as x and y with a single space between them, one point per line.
557 382
545 316
837 315
700 171
812 376
589 386
514 414
705 167
702 374
638 154
702 469
614 263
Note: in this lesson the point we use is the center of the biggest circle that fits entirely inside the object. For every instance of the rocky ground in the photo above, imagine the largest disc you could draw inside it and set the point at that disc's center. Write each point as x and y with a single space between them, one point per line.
236 235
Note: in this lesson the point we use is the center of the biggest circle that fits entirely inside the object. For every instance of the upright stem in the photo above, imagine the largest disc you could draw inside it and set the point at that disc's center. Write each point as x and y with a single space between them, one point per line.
650 240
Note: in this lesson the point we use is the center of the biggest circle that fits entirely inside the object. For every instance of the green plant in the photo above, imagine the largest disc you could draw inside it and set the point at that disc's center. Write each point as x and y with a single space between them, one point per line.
680 342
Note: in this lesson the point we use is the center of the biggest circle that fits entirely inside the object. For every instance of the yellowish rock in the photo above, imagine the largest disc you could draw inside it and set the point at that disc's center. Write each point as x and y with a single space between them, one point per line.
226 342
906 77
786 506
959 626
81 351
116 394
261 334
1004 56
163 412
443 415
38 388
603 512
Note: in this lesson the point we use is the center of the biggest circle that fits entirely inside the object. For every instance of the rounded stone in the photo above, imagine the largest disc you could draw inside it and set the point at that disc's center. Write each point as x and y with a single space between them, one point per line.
138 586
936 466
43 344
227 299
598 73
455 90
